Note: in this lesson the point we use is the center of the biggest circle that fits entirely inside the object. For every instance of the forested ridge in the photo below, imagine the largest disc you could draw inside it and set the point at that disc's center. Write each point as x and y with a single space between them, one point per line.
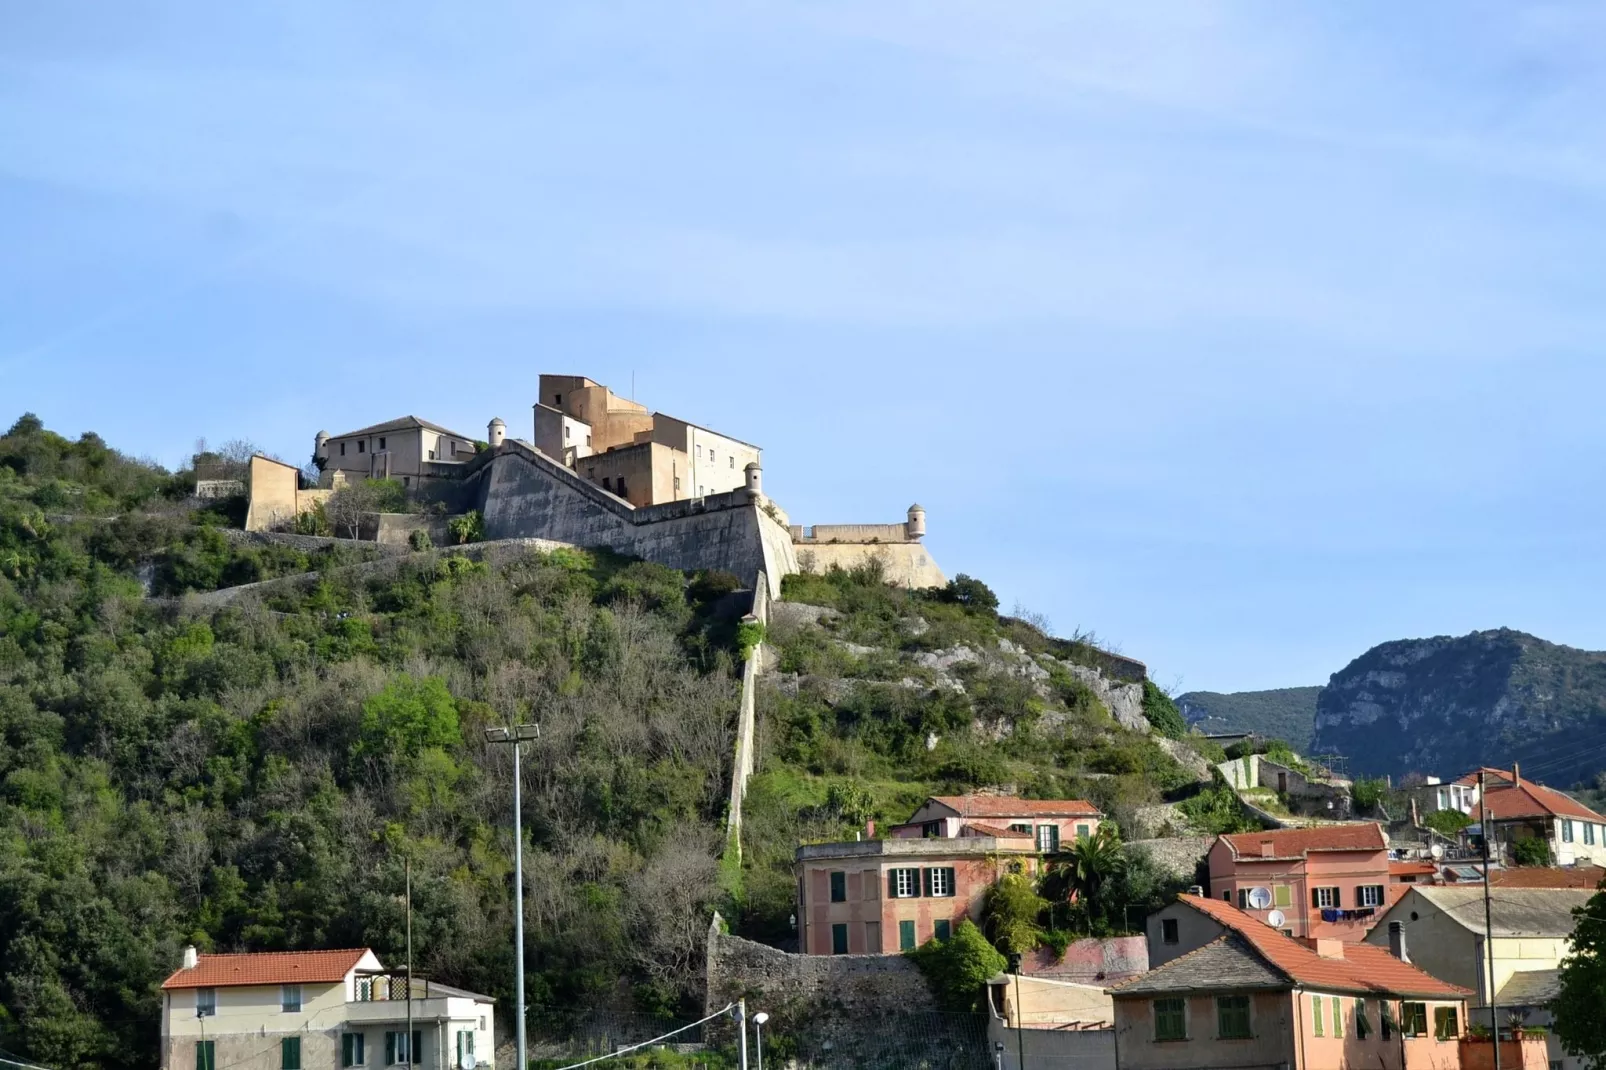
256 775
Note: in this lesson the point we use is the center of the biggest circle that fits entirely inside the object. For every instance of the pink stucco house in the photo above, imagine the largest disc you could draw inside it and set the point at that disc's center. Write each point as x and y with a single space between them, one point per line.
1329 881
1049 823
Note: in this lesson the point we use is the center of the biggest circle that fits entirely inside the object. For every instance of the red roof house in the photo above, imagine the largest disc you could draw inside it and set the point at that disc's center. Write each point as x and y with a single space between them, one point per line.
1324 881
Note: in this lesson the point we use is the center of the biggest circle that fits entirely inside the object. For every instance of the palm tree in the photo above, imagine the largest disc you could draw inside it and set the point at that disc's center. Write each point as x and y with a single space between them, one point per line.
1083 871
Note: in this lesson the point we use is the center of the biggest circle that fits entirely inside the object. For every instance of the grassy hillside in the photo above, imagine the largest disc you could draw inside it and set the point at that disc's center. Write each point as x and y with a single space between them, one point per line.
255 776
1286 713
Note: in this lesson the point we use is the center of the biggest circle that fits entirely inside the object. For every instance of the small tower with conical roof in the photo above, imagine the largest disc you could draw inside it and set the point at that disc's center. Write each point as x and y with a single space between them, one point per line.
916 527
496 432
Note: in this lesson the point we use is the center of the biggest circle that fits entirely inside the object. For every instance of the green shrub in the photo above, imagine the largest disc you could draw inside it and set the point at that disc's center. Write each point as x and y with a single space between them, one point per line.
1367 792
470 527
419 539
1012 912
1447 823
1533 851
1162 713
749 634
957 969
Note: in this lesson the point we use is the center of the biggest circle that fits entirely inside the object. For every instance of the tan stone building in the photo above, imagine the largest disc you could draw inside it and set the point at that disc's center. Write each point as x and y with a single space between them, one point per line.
646 458
300 1010
406 448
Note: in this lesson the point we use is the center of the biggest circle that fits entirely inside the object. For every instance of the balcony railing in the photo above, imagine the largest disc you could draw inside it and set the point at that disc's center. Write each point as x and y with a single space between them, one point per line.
381 987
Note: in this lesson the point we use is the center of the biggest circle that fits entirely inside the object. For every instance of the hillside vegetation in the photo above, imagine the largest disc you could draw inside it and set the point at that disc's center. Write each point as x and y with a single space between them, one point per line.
256 774
1285 713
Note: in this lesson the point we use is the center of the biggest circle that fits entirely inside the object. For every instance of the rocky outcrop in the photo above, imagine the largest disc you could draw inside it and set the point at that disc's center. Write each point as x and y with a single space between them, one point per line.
1448 704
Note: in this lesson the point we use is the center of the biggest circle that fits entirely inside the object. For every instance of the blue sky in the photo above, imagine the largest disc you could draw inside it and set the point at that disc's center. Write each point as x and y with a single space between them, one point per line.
1243 335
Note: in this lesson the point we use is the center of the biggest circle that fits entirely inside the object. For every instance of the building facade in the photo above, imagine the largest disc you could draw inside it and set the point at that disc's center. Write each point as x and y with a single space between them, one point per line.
1252 997
405 448
1329 881
872 897
301 1010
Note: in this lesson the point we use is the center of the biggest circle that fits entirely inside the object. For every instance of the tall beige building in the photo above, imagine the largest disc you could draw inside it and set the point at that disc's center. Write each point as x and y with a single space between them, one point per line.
405 448
643 457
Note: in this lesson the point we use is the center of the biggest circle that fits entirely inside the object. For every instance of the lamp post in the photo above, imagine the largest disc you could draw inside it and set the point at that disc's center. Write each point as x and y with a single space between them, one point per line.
1020 1044
758 1036
514 736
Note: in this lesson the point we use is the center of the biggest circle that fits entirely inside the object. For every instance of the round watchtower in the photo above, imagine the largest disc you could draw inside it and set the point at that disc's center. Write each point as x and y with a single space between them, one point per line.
916 527
755 479
320 446
496 432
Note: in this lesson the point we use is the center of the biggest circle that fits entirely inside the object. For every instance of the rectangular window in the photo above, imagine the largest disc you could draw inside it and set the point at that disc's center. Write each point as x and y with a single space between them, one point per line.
290 1053
432 455
465 1047
1232 1018
205 1002
1324 897
365 989
557 399
1170 1019
940 881
1226 895
699 453
1020 827
1445 1026
733 461
839 887
1282 895
1168 931
342 449
1048 838
588 440
1363 1028
932 830
381 443
1414 1019
1385 1017
362 446
290 998
566 433
872 936
1566 830
903 883
1316 1016
205 1055
1084 831
839 938
397 1051
1369 895
942 929
1338 1018
453 448
351 1050
1589 833
906 936
870 885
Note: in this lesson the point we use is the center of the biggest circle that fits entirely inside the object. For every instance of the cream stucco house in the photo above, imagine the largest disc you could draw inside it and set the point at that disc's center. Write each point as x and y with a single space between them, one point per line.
405 448
300 1010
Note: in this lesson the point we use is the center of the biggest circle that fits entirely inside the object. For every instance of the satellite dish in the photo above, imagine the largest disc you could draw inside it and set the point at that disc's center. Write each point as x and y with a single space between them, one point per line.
1437 851
1275 919
468 1060
1259 898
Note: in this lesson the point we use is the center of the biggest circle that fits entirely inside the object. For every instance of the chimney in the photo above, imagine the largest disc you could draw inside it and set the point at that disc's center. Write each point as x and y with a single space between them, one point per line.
1516 773
191 959
869 830
1330 949
1397 941
1268 849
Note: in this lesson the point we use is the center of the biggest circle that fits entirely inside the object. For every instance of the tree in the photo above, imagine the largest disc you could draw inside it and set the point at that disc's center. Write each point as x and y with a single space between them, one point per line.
957 969
1162 713
1089 868
1447 823
408 716
1579 1025
970 593
1012 911
1532 851
470 527
347 506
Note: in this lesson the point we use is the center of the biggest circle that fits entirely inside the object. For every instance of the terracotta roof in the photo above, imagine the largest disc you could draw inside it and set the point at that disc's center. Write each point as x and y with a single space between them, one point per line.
978 829
1364 968
1471 779
1009 806
402 423
1412 869
1294 843
268 968
1527 799
1226 964
1548 877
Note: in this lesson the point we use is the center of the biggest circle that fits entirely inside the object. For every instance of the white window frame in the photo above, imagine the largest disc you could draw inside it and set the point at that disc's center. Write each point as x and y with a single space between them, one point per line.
1326 898
288 995
1567 830
905 884
939 883
206 1003
1370 895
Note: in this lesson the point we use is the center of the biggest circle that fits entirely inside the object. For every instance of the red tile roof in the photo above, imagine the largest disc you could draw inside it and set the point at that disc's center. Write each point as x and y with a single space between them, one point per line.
1471 779
1294 843
1009 806
1412 869
268 968
1527 799
1548 877
1364 967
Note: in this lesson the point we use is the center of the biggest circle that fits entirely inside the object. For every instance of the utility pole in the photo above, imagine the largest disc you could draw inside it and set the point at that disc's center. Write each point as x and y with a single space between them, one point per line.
411 1056
1488 916
513 736
1020 1043
741 1027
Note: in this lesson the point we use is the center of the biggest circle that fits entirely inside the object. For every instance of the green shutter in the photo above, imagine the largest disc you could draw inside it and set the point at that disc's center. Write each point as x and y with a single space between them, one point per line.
390 1048
1316 1015
892 884
839 939
925 881
906 936
942 929
290 1053
205 1055
412 1049
953 883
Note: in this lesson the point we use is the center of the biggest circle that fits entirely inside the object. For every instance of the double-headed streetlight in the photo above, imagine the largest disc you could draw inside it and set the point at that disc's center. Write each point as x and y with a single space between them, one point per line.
521 733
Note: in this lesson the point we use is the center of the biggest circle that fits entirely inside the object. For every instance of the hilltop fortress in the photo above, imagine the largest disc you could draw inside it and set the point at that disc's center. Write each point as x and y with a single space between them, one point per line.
599 470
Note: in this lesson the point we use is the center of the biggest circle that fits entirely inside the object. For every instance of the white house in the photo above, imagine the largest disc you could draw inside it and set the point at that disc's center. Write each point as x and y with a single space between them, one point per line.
301 1010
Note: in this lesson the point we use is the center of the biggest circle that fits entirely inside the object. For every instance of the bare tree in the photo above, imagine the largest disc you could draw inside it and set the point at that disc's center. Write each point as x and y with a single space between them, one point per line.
346 506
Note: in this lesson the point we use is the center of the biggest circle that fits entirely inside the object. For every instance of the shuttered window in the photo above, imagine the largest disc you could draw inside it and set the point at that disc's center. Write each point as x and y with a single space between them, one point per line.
290 1053
205 1055
1445 1026
1170 1020
903 883
351 1050
1316 1016
1232 1017
906 936
839 887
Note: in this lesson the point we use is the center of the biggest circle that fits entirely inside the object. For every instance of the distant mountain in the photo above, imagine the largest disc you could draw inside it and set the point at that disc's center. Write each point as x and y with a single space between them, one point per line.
1449 704
1286 713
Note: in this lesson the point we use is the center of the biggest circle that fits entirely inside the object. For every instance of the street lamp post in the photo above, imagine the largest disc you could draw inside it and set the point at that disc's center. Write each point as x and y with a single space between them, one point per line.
514 736
758 1036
